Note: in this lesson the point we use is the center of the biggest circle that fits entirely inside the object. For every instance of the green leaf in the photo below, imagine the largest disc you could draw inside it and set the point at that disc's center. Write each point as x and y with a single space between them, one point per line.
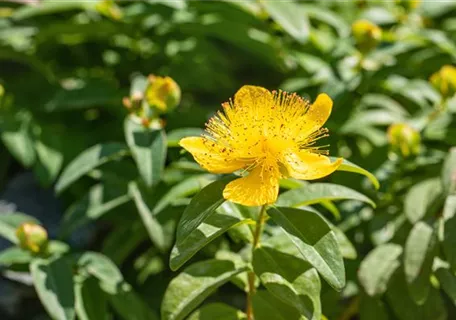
201 207
174 136
14 255
102 268
290 16
53 280
347 249
87 161
447 281
183 189
9 222
404 306
153 227
241 232
372 308
315 240
241 280
148 148
267 307
419 253
91 301
319 192
217 311
422 198
377 268
16 135
100 199
193 285
351 167
448 175
209 229
48 8
50 158
129 305
449 236
290 279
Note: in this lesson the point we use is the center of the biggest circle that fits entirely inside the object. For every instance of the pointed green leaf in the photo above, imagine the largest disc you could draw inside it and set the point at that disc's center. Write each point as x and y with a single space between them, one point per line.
202 206
449 227
315 241
377 268
317 193
148 148
53 280
102 268
212 227
290 16
100 199
17 137
267 307
422 198
193 285
14 255
372 308
351 167
419 253
9 222
153 227
129 305
217 311
290 279
447 281
449 172
91 301
87 161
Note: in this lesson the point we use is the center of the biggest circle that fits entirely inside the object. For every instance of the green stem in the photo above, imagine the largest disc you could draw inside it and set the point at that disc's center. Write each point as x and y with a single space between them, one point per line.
251 274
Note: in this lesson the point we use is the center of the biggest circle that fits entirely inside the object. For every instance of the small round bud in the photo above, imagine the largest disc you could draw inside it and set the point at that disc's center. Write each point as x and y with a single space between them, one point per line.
444 81
163 94
367 34
32 237
109 9
404 139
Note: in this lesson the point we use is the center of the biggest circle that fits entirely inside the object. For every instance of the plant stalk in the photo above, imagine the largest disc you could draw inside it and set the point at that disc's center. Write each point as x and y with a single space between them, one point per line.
251 275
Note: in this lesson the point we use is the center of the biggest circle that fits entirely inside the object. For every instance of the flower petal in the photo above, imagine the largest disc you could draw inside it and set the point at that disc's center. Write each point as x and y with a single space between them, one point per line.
260 187
211 156
306 165
253 97
317 114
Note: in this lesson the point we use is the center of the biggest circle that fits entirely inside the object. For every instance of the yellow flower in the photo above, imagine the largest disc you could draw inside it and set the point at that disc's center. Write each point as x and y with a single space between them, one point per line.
266 136
367 34
444 80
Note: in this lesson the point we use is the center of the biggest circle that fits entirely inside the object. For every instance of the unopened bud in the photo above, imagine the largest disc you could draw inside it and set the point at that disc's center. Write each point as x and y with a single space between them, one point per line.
367 34
409 4
109 9
2 91
163 94
404 139
444 81
126 102
32 237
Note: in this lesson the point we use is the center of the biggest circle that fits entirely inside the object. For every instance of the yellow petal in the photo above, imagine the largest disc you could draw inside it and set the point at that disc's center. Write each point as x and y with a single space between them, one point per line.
253 97
260 187
305 165
317 114
211 156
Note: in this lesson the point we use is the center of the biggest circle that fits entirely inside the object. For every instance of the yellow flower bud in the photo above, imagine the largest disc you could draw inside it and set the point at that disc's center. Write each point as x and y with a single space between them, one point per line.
163 94
444 81
32 237
109 9
404 139
409 4
2 91
367 34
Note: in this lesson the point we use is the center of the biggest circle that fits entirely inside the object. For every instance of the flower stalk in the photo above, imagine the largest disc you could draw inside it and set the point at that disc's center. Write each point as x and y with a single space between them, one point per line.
251 275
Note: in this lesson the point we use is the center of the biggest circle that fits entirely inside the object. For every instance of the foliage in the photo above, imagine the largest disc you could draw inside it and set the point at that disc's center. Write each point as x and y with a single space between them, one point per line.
79 112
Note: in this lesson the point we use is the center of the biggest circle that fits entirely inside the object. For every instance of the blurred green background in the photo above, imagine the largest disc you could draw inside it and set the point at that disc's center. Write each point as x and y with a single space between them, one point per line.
65 67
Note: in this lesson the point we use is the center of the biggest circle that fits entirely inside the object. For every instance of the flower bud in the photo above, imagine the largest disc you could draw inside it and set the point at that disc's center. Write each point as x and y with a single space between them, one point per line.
367 34
404 139
444 81
2 91
32 237
163 94
109 9
409 4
